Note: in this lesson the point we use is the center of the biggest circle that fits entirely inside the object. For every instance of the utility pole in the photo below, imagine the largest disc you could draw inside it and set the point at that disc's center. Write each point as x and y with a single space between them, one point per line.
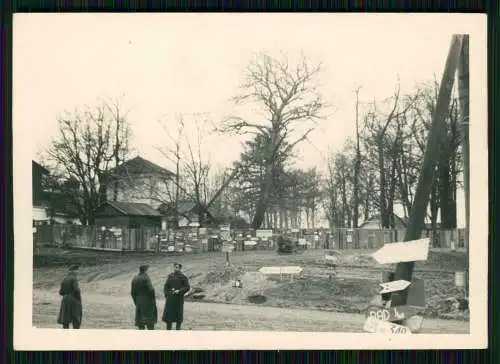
416 223
463 93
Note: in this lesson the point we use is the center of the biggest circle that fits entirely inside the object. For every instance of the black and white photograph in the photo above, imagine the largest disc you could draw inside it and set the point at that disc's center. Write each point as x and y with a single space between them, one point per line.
264 181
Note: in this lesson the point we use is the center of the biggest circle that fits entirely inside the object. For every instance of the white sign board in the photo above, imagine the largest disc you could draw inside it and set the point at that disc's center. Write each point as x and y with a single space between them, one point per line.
291 270
280 270
384 327
408 251
270 270
264 233
393 286
250 242
295 230
302 241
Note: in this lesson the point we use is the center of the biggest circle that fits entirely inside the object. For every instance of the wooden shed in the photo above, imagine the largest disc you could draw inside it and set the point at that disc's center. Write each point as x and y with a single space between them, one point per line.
127 214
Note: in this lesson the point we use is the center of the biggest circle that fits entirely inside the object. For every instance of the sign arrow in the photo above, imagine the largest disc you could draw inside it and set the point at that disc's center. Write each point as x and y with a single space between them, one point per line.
280 270
394 286
408 251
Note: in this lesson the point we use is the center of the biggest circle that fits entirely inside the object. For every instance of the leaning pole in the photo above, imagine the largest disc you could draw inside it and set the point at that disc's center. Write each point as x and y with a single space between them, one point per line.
416 223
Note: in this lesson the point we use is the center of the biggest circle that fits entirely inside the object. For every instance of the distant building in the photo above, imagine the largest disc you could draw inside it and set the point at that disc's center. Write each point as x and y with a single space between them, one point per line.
373 223
49 206
139 181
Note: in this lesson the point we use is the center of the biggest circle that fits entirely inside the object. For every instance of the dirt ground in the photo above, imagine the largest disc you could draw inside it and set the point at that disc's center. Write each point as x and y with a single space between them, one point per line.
105 283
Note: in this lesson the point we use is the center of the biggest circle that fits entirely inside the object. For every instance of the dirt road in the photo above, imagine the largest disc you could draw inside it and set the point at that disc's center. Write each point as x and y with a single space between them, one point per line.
116 312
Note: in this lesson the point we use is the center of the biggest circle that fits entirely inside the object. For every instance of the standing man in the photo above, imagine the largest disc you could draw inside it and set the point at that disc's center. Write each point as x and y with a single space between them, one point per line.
143 294
176 286
70 311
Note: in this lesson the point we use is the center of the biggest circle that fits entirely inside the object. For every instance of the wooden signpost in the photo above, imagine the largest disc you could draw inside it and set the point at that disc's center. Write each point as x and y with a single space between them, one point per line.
293 270
380 319
227 244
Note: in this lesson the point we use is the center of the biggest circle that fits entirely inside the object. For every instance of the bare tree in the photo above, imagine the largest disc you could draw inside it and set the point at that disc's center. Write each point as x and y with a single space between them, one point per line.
357 167
88 144
289 99
384 134
194 179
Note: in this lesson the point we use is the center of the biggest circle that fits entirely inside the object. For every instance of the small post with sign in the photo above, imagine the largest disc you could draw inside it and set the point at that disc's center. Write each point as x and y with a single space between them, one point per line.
227 245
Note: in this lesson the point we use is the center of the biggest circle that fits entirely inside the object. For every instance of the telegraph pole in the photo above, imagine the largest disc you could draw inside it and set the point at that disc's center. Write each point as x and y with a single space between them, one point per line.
463 93
404 270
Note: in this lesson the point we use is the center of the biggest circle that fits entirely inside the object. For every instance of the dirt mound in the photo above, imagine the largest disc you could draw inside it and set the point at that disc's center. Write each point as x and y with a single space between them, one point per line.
359 259
225 275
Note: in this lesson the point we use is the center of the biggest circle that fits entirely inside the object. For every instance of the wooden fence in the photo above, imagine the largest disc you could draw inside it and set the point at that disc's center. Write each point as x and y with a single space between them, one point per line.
207 240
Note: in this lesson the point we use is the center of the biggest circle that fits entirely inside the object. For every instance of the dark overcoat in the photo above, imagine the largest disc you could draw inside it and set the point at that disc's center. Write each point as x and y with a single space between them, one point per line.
71 303
143 295
174 302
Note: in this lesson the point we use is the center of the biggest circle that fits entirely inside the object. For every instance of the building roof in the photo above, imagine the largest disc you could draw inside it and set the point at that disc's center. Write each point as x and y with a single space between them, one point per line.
139 165
37 165
184 207
132 208
376 218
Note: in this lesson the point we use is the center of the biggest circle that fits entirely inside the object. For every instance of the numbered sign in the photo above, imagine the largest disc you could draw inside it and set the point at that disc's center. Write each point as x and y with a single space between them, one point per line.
384 327
414 323
392 313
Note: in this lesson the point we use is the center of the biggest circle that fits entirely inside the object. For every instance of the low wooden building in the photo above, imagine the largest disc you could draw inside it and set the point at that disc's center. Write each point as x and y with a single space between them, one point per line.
127 214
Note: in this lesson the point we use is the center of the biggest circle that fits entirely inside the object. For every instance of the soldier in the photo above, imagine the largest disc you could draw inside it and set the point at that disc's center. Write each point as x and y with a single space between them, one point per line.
176 286
143 294
70 311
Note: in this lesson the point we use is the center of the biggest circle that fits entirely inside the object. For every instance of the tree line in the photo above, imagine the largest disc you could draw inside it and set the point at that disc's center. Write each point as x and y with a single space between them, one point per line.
374 171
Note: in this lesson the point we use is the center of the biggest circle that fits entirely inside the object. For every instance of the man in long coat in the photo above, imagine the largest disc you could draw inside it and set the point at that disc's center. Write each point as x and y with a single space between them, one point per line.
70 311
176 286
143 295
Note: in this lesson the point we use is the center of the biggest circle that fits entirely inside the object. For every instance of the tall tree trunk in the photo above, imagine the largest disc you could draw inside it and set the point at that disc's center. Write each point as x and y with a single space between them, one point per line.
357 168
263 198
313 217
384 217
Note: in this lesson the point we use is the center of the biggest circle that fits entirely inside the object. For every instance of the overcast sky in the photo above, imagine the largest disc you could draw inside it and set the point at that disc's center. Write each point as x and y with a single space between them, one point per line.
164 65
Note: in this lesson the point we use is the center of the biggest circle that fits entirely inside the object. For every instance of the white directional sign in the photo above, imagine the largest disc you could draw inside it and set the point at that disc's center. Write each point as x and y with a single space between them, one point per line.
408 251
393 286
375 325
270 270
291 270
280 270
263 233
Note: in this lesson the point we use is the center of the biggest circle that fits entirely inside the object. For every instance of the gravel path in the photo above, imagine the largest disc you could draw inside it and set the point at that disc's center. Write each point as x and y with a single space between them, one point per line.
116 312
